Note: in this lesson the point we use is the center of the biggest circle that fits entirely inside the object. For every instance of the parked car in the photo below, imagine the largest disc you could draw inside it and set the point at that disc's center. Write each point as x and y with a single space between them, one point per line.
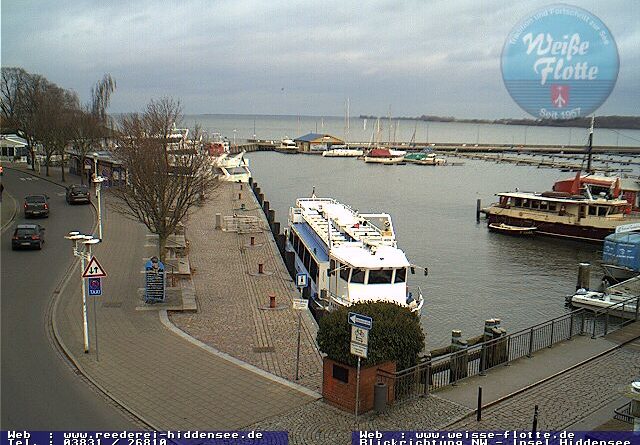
36 205
78 193
28 235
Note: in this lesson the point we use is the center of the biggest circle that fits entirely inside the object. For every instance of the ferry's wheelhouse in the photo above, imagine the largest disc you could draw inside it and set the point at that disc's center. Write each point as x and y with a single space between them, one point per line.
349 257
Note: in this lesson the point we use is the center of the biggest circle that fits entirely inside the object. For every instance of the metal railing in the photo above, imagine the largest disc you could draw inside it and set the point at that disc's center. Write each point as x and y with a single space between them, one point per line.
623 413
438 372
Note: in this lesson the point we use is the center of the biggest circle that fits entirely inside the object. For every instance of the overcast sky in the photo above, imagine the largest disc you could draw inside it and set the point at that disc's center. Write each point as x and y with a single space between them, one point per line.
438 57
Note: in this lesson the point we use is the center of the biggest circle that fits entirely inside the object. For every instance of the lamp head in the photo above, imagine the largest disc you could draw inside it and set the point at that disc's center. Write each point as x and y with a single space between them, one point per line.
91 241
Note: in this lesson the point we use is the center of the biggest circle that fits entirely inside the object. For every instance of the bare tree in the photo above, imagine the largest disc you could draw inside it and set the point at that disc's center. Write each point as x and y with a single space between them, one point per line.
92 122
163 180
52 122
21 94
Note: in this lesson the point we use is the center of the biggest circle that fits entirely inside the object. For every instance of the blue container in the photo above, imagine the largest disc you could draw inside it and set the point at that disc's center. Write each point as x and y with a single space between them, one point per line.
622 249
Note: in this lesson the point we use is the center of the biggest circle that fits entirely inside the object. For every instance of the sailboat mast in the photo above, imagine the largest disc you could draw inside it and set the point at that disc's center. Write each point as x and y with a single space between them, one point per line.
593 118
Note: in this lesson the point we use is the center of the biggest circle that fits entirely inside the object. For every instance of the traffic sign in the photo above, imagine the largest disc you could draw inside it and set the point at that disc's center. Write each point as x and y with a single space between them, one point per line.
359 350
302 280
361 321
359 335
95 286
94 269
300 303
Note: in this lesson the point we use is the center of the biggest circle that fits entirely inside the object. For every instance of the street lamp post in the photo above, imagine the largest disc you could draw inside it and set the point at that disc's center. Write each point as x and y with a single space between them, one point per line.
98 180
78 251
88 243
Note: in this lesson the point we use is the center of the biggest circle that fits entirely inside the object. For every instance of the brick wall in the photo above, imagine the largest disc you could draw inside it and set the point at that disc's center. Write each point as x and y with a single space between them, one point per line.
343 395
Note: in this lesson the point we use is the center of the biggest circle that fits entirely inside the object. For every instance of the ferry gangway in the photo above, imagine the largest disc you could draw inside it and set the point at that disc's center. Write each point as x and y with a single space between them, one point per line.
432 373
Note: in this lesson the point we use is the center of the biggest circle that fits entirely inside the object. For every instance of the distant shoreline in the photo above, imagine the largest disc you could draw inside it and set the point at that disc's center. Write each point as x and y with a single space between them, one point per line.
616 122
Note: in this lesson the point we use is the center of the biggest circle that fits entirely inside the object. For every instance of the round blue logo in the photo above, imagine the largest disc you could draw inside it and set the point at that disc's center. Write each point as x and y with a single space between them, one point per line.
560 62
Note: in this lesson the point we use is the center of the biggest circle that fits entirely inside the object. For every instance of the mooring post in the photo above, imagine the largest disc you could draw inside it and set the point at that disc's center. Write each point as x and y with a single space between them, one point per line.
478 206
479 414
534 427
584 276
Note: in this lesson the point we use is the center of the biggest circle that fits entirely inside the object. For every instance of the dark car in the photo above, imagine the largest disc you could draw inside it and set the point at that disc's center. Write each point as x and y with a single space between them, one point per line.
36 205
28 235
78 193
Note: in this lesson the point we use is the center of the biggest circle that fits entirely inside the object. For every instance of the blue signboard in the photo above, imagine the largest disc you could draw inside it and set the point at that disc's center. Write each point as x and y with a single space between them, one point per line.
302 280
95 286
361 321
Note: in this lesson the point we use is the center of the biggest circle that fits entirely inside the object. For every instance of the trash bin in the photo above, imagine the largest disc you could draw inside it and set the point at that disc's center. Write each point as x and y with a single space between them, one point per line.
380 397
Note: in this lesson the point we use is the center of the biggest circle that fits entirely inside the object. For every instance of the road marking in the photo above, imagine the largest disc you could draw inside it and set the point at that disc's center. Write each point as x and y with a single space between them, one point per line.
61 194
28 178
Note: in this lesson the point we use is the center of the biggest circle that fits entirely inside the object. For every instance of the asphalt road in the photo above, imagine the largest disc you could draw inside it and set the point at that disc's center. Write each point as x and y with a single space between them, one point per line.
40 390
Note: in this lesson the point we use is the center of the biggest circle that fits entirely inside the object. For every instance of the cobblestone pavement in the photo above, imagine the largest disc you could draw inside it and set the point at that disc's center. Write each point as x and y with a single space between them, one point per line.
320 424
565 399
232 298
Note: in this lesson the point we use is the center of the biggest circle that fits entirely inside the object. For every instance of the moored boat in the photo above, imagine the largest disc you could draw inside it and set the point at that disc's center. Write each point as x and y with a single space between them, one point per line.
232 168
617 304
349 256
384 156
287 146
621 254
512 230
425 158
342 152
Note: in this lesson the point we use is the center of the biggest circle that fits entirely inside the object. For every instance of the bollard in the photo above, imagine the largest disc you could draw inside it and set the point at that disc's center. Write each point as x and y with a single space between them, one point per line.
380 397
239 196
240 186
218 221
478 207
272 301
276 228
260 268
584 276
479 413
265 208
252 241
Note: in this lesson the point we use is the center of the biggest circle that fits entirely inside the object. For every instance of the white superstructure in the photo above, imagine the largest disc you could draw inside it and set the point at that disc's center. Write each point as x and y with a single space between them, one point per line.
350 256
232 168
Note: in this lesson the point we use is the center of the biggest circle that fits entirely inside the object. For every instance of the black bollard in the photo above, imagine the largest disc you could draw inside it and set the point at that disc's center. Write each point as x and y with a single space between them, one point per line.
479 413
478 207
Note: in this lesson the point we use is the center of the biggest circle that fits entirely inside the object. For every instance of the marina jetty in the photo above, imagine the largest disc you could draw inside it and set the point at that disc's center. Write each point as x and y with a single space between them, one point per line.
460 148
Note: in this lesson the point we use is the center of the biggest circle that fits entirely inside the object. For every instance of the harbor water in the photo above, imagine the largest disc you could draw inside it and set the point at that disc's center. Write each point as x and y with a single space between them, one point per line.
473 274
244 127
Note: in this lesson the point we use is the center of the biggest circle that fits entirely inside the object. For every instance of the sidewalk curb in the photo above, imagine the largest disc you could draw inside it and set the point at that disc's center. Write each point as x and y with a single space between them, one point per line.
164 319
15 212
52 312
540 382
75 363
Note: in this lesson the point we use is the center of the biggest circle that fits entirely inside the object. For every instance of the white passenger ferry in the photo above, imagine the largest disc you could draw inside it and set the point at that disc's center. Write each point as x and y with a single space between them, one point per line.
350 257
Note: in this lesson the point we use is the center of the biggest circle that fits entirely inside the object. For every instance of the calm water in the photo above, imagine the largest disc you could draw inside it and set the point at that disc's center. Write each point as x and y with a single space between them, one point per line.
279 127
473 274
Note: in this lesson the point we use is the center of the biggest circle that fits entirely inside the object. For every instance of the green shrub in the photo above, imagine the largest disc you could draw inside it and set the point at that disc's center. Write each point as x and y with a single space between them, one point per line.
396 335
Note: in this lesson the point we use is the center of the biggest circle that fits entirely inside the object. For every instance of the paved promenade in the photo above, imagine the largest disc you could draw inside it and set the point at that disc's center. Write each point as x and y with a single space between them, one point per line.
166 380
232 297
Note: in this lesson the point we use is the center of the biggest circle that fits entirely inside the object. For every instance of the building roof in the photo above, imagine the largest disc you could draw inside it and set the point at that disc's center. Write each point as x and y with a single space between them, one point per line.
317 137
12 140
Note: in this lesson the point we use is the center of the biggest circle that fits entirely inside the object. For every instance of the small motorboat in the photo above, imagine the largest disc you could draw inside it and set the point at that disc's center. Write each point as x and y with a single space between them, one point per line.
512 230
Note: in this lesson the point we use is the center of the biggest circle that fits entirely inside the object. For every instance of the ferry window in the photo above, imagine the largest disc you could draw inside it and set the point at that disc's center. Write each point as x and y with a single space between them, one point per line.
344 273
535 204
357 276
332 267
313 270
295 243
380 276
552 207
307 259
291 237
544 205
300 249
592 210
401 276
602 211
518 202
